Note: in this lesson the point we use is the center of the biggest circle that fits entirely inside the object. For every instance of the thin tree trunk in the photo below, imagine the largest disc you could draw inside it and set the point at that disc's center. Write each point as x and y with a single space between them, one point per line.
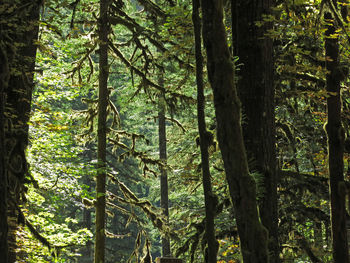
256 91
4 77
87 251
164 188
210 206
253 236
164 196
88 247
100 238
336 135
318 232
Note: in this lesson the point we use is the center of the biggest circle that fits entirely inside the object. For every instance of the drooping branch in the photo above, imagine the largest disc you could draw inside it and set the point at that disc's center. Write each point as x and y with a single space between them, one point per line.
80 62
338 18
144 158
147 81
152 8
152 212
39 236
123 19
306 76
172 120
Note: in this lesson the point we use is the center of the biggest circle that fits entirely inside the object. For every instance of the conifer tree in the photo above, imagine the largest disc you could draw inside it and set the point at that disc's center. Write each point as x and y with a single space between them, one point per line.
102 134
253 236
255 88
335 135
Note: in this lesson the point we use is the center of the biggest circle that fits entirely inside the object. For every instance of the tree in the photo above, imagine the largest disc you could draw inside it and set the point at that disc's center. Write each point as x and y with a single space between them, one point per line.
18 50
164 199
335 135
147 37
255 87
102 134
4 76
253 236
210 199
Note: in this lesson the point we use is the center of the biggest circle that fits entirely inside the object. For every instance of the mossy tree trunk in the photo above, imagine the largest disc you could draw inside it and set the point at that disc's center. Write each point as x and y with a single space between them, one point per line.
253 236
210 204
256 91
335 135
100 237
18 49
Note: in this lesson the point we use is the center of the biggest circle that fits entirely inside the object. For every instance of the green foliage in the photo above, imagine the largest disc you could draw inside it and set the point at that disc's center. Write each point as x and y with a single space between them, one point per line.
63 131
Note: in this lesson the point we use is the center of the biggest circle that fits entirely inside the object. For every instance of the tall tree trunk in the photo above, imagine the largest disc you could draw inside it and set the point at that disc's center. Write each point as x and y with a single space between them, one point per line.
335 134
256 91
210 205
4 78
253 236
164 188
18 45
100 237
164 196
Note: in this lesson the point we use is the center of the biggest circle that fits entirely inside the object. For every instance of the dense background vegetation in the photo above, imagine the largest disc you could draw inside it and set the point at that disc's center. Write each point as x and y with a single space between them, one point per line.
153 62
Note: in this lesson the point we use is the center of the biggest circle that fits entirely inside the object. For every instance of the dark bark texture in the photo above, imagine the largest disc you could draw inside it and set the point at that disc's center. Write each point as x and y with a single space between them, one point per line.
164 199
19 30
100 237
210 203
335 135
253 236
256 91
4 78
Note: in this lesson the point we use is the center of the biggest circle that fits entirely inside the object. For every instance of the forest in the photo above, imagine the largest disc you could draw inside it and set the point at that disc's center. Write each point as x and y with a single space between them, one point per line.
169 131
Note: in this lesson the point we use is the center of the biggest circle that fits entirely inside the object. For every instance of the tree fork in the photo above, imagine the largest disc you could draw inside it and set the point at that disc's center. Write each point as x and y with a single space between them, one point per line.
253 236
210 200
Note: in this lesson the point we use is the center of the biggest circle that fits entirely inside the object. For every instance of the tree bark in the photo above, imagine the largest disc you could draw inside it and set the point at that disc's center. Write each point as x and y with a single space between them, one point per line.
336 135
19 51
4 77
209 198
164 196
164 188
256 91
253 236
100 237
